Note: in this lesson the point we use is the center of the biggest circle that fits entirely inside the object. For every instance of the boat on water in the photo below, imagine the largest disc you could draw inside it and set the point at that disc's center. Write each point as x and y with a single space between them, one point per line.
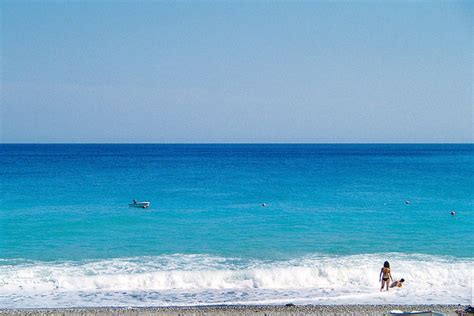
139 204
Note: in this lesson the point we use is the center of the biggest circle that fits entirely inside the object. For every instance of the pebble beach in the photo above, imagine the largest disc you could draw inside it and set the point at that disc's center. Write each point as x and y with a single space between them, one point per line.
268 310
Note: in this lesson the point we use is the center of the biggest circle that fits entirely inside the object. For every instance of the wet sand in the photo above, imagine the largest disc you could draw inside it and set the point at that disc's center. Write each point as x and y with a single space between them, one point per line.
267 310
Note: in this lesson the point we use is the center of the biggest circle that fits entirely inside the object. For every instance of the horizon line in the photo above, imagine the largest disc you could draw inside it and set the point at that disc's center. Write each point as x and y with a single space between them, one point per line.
237 143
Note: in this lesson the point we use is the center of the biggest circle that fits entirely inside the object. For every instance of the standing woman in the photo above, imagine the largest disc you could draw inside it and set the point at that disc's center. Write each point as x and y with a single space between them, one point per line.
385 275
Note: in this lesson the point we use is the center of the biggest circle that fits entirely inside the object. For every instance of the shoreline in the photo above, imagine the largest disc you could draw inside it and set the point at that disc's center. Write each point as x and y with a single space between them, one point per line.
268 310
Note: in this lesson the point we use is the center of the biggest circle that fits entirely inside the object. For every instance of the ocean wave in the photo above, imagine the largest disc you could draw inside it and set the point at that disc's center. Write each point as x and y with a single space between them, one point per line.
313 278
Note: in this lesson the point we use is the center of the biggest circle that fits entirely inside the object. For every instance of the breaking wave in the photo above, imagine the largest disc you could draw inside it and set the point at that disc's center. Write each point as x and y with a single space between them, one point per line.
201 279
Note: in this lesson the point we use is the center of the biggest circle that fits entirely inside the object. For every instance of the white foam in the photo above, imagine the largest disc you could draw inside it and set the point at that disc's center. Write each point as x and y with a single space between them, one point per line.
201 279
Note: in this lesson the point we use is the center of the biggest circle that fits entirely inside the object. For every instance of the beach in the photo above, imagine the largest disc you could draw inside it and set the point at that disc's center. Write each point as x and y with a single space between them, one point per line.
269 310
236 157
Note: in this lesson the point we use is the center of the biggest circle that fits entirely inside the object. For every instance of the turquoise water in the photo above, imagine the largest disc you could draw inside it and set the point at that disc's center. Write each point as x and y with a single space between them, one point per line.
67 205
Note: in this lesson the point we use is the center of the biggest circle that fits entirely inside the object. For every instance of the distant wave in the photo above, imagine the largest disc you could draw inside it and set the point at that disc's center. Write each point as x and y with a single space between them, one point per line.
202 279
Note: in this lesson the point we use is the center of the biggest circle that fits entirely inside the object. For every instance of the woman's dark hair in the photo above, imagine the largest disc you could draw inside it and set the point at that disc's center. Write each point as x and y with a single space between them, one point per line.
402 280
386 264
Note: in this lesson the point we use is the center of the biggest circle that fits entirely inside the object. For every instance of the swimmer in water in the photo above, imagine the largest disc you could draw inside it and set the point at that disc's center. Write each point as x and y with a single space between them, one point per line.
397 283
385 275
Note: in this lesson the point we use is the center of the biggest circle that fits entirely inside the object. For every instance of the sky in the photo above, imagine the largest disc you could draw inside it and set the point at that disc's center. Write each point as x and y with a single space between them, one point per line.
236 71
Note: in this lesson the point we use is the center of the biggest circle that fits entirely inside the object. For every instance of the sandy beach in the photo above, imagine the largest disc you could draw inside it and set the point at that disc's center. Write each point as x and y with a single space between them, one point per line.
268 310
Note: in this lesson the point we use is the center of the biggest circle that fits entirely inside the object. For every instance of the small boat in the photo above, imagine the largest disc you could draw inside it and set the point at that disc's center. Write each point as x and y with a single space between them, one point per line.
139 204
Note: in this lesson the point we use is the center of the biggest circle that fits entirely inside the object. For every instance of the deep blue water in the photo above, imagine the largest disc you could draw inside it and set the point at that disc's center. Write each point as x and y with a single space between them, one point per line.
70 202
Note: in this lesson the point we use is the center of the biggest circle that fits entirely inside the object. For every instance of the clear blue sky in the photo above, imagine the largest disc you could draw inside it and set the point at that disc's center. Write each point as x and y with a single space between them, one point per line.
237 71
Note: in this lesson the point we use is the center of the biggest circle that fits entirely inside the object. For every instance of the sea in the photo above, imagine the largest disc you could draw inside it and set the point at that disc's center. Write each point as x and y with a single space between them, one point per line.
235 224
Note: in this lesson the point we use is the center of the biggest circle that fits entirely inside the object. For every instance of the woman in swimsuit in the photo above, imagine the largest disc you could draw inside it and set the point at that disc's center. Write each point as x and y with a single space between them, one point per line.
385 275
